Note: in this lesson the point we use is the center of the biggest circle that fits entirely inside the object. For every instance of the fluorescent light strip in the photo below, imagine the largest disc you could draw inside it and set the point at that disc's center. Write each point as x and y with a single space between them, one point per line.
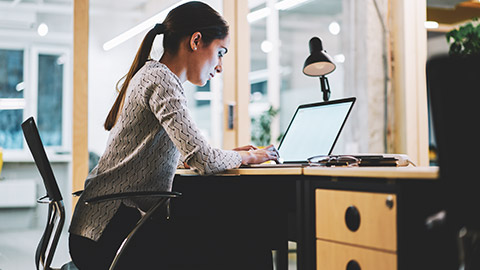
288 4
251 17
12 103
264 12
159 17
258 14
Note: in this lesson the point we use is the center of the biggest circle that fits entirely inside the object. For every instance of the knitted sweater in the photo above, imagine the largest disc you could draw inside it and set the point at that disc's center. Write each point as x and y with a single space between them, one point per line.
152 132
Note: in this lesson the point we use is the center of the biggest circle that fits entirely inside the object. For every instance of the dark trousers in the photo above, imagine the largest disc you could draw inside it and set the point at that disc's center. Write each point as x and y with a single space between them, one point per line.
171 244
90 255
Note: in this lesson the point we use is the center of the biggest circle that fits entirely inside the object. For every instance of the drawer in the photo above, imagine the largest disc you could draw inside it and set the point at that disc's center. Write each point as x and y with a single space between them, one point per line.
333 256
359 218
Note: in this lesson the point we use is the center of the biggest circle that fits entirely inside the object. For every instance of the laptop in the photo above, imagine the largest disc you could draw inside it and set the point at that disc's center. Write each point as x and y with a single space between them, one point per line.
313 130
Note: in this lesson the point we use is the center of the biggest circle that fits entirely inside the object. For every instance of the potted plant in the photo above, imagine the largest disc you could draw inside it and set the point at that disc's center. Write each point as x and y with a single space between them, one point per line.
261 131
465 41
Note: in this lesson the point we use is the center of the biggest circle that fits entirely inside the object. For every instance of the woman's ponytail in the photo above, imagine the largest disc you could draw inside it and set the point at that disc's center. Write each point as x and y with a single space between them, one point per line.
180 23
141 58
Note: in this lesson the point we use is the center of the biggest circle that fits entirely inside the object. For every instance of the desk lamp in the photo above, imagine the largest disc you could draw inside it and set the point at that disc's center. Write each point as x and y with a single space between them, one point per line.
319 64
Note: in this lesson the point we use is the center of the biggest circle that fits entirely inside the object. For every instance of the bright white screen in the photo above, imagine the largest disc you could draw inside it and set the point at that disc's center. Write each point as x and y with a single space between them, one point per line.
313 131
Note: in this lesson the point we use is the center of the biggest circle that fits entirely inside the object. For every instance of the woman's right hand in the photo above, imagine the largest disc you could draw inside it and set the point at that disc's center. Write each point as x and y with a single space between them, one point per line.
259 155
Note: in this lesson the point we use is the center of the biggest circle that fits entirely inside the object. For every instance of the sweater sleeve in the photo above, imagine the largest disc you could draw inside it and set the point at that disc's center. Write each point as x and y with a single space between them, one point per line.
168 103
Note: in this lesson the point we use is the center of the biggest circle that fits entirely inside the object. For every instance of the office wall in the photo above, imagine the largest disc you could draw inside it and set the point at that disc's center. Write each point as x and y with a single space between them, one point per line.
105 69
18 218
366 74
437 44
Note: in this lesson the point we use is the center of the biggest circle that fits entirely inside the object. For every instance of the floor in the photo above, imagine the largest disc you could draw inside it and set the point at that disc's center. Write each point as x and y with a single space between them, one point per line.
17 250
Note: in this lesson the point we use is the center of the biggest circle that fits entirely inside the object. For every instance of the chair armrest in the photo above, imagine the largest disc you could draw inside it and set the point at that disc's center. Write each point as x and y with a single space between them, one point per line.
164 195
129 195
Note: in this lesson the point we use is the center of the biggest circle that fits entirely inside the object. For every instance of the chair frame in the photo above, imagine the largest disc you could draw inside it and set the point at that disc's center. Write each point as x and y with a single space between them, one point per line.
56 210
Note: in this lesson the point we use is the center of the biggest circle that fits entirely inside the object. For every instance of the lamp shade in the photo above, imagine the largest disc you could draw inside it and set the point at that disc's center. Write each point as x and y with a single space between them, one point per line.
319 63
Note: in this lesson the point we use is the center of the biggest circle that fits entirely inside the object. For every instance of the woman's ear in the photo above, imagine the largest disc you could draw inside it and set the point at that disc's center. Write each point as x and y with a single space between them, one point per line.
195 40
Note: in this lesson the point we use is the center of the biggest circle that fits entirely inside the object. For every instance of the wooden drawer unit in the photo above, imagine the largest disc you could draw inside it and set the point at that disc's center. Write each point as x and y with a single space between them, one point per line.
333 256
358 218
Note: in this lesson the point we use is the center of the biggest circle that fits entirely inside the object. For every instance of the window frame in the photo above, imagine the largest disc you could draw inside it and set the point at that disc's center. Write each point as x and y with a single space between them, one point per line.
31 53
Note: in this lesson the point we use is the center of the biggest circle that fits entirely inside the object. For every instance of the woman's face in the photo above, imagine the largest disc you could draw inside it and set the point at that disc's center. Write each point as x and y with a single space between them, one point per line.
205 61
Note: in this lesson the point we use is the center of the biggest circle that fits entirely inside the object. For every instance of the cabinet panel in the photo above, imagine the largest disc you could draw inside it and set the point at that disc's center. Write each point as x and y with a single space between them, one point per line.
360 218
333 256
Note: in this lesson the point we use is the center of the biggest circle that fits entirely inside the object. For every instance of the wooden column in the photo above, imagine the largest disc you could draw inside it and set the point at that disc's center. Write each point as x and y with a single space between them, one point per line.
236 86
409 79
80 95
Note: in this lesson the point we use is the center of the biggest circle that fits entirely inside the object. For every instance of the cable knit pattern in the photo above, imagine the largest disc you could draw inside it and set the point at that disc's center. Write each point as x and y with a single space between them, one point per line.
152 132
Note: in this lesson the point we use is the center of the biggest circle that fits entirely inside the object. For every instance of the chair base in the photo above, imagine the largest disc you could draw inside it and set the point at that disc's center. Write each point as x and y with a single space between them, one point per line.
69 266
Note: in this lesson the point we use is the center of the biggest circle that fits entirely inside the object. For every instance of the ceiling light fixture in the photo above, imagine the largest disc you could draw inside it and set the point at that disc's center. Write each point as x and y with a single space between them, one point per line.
266 46
42 29
431 25
334 28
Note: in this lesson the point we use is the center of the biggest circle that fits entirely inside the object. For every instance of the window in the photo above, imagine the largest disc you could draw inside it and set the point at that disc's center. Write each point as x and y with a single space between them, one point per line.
42 95
11 98
205 105
50 98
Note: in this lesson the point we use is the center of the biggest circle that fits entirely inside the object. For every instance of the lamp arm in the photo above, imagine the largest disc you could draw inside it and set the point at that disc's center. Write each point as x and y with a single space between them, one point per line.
325 86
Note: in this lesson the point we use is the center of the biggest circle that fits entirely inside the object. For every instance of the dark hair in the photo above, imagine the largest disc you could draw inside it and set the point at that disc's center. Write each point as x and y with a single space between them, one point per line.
180 23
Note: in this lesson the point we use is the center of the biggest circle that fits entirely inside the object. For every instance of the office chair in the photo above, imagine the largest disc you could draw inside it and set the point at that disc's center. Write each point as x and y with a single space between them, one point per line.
56 211
453 85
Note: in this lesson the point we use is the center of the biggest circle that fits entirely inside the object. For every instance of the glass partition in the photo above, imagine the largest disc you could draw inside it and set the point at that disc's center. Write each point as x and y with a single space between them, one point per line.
351 34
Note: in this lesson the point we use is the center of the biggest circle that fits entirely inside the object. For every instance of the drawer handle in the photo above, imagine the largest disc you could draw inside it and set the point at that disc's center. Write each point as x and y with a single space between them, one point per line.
389 202
353 265
352 218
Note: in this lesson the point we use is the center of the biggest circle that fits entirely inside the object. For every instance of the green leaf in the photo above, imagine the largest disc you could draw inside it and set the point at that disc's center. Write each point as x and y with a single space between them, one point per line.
465 40
454 34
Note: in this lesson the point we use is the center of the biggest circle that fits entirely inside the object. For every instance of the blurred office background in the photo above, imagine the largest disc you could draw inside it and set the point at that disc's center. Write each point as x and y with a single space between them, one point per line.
36 65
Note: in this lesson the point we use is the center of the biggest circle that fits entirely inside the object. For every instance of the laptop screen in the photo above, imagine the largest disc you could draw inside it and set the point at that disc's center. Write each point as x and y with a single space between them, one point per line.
314 130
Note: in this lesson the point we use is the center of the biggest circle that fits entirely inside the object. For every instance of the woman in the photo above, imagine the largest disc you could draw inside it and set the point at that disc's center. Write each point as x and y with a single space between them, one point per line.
151 130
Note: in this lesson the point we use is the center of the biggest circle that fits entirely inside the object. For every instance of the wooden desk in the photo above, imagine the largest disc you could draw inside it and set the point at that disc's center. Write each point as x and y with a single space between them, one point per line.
387 238
257 203
425 173
420 173
251 171
373 218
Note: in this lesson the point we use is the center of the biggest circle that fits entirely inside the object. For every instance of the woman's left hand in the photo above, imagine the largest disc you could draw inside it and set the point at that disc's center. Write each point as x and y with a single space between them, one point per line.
245 148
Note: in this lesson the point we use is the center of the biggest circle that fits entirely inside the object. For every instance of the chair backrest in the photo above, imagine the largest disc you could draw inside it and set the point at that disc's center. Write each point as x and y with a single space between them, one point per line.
56 211
453 85
35 144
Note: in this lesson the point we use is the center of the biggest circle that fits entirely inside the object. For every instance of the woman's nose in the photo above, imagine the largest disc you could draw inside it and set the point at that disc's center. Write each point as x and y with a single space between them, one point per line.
219 68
